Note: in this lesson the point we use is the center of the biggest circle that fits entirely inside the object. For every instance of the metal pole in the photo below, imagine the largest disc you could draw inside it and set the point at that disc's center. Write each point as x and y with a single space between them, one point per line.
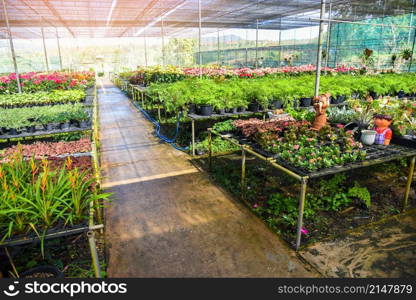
411 22
243 173
199 38
381 36
44 50
359 23
328 35
145 47
319 54
280 47
9 32
163 43
409 182
413 51
257 42
336 49
218 46
210 150
193 137
301 210
59 48
246 48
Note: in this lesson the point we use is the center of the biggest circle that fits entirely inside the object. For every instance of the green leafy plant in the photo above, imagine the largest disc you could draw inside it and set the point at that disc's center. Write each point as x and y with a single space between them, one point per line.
361 193
35 196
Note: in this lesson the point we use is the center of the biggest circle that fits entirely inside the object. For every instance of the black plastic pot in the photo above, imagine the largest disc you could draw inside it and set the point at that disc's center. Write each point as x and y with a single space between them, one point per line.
14 131
340 99
373 95
277 104
254 107
83 124
191 108
221 111
65 125
401 94
43 272
337 99
305 102
31 129
74 123
205 110
53 126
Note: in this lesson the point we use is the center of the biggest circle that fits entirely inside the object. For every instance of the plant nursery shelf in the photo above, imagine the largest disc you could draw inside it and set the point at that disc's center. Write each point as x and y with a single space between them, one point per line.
376 155
226 115
44 133
50 234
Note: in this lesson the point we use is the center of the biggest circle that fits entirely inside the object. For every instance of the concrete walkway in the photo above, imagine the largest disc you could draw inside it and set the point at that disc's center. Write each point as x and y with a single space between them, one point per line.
167 219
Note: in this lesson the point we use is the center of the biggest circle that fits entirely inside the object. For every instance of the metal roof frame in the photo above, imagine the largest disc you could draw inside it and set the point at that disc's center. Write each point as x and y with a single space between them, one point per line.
124 18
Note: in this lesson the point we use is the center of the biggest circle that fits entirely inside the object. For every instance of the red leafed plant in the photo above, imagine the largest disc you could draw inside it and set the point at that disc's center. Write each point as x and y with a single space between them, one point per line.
50 149
251 127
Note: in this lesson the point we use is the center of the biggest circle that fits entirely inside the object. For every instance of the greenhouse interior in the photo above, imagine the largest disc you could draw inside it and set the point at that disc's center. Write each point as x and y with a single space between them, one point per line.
207 138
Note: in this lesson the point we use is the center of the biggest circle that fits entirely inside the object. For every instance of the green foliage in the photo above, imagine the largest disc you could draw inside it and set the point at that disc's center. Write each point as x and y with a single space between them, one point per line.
361 193
218 146
341 115
20 117
239 92
224 126
301 114
283 210
41 98
328 195
35 197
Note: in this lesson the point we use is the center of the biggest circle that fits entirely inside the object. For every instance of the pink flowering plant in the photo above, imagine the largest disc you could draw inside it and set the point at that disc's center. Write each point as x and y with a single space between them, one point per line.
33 82
297 144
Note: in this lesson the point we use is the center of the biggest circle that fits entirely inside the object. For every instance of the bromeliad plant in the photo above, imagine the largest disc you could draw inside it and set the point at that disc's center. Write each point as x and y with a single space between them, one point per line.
35 197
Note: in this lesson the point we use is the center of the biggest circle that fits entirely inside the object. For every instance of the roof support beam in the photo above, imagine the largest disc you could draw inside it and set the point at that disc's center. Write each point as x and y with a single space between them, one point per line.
58 16
16 70
140 16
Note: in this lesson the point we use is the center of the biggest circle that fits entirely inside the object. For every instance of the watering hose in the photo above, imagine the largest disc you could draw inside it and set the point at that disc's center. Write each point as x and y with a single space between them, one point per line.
157 125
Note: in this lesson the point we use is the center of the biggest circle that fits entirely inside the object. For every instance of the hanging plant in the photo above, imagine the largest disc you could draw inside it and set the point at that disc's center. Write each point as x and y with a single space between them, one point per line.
406 54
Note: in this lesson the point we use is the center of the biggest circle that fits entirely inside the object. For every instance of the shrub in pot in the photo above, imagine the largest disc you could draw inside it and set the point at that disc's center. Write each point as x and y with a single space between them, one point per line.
205 109
31 128
191 108
254 107
15 131
276 104
305 102
221 111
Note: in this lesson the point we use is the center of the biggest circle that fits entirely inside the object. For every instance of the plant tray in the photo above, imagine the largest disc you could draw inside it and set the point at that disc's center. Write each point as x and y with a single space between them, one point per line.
225 115
406 140
54 232
44 133
375 154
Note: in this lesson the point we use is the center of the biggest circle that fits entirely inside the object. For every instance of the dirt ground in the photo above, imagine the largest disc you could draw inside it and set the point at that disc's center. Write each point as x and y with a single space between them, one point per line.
384 249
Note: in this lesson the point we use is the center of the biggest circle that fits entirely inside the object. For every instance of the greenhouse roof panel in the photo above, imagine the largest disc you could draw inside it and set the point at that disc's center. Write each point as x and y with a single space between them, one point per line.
123 18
